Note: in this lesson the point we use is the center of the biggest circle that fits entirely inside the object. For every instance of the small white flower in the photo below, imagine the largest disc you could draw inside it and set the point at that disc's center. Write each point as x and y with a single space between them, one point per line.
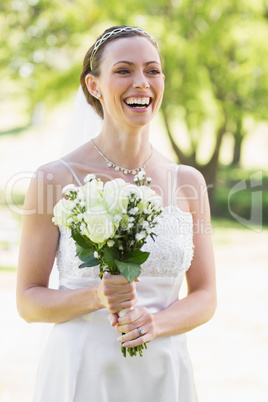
69 188
141 175
145 224
148 230
82 204
148 210
140 236
149 179
130 225
89 177
131 219
70 220
80 217
96 254
117 218
134 211
110 243
121 247
124 211
83 227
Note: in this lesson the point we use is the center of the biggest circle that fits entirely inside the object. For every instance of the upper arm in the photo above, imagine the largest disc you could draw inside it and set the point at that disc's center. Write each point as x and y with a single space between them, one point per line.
39 237
201 274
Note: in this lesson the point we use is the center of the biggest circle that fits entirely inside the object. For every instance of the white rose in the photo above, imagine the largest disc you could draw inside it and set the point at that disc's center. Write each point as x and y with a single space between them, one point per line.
150 195
99 224
91 194
62 212
115 196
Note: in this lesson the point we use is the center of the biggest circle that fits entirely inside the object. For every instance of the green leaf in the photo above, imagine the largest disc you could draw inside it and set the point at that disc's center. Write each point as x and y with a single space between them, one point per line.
137 257
84 253
79 239
110 254
91 262
130 271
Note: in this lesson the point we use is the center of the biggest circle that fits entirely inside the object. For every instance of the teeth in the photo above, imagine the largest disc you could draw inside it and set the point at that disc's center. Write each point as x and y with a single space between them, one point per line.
138 101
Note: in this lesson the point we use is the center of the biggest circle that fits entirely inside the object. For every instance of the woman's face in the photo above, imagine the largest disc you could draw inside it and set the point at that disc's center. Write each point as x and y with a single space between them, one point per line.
131 81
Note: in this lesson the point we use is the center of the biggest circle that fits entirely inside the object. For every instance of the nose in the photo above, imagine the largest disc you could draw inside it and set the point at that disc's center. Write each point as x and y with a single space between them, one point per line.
140 81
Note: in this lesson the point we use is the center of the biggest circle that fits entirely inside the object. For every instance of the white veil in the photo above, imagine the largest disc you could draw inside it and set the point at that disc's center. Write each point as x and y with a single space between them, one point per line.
84 124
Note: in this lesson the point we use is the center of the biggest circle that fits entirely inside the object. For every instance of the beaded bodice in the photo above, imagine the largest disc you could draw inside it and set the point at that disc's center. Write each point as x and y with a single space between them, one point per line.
170 254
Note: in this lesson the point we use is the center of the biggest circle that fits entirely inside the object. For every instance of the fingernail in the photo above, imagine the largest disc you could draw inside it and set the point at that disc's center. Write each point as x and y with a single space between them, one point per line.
125 344
110 319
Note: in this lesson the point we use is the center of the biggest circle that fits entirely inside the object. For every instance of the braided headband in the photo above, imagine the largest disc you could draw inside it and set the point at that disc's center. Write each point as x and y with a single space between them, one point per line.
115 32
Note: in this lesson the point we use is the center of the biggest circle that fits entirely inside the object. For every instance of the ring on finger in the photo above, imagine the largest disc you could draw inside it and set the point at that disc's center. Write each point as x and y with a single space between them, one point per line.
141 331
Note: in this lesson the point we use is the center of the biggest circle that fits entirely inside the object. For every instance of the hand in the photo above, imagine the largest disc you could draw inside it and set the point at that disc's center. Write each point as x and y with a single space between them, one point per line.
138 317
115 293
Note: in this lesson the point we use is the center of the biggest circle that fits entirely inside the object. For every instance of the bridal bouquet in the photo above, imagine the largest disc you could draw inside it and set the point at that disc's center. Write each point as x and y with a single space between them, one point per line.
110 223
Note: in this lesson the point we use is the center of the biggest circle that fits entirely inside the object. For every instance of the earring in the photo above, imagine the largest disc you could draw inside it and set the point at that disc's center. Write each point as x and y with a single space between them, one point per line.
98 95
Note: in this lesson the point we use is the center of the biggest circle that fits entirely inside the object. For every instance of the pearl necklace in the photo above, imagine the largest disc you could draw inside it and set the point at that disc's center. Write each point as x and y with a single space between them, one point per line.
116 167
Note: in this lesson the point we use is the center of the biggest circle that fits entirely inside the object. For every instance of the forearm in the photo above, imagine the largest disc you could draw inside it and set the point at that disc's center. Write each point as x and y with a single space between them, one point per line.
40 304
185 314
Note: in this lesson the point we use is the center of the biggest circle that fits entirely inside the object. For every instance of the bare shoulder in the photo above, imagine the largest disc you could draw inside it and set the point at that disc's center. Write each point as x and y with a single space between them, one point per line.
191 176
45 188
192 190
160 159
54 173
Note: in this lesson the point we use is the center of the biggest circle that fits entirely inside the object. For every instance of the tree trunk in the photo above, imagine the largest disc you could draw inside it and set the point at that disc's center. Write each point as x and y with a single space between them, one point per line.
237 151
184 159
210 169
238 139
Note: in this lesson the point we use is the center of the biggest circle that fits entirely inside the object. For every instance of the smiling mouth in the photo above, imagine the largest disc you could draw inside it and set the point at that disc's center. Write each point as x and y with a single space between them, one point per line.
138 103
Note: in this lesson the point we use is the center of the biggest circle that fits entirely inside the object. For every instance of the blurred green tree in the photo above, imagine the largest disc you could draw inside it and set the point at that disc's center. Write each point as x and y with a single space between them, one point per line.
214 58
215 63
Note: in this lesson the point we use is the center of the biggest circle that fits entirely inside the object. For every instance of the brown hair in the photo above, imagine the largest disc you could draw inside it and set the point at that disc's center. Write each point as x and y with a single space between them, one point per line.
97 58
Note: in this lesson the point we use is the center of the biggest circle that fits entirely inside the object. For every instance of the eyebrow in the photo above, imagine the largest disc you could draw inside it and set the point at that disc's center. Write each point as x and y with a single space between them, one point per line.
131 64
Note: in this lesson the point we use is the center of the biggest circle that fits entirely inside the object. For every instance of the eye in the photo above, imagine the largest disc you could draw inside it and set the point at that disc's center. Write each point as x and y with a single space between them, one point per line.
154 71
122 71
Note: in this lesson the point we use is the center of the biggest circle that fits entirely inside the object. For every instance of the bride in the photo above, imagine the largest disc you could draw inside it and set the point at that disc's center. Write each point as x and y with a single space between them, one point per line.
123 81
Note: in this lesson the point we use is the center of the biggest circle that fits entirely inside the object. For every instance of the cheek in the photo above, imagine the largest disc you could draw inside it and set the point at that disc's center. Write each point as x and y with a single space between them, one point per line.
160 90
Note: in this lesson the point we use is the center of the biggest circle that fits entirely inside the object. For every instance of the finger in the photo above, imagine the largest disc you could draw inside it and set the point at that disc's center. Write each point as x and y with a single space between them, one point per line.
115 279
115 307
133 316
113 319
110 288
136 333
138 341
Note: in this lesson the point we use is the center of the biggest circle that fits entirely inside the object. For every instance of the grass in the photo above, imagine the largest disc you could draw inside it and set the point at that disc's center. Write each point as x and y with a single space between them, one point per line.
10 269
246 191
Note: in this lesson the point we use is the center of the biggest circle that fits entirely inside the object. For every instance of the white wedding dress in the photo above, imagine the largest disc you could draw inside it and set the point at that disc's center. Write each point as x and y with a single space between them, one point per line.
82 361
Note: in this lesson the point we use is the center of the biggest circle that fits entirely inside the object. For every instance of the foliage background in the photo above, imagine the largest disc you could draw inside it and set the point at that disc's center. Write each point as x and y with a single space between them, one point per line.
214 117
